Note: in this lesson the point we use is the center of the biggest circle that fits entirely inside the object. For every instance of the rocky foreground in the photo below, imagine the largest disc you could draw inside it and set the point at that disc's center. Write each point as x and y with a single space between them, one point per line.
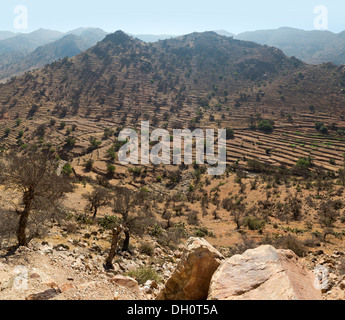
195 272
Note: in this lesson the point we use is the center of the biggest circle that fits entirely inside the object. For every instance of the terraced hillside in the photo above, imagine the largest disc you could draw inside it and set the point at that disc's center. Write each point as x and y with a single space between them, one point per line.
198 80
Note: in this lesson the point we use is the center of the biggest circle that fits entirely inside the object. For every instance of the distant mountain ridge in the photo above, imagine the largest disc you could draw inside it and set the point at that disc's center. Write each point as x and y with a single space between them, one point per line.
42 47
29 41
20 52
314 47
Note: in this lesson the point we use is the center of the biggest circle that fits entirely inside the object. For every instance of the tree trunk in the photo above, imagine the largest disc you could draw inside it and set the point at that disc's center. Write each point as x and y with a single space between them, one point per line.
125 246
24 217
112 253
95 212
21 231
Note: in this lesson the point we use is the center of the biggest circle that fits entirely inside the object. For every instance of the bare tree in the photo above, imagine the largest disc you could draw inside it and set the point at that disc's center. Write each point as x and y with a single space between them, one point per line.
33 174
237 211
126 202
98 198
295 205
328 213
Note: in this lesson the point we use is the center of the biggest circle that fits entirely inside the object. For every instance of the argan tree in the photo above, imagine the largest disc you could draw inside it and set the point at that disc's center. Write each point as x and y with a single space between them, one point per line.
34 175
135 210
98 198
328 213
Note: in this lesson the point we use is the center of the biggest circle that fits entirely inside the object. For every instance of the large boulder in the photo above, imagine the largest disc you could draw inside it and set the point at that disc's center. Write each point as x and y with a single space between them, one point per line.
191 280
264 273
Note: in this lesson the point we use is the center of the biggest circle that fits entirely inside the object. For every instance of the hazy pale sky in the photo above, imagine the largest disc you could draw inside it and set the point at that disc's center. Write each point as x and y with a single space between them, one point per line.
171 17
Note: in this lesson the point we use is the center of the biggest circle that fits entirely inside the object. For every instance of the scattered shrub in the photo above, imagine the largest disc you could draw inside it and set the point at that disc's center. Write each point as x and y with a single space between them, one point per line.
109 222
266 126
146 248
144 274
254 223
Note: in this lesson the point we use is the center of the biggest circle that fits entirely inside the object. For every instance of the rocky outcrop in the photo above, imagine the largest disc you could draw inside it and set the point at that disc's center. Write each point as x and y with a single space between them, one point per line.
264 273
191 280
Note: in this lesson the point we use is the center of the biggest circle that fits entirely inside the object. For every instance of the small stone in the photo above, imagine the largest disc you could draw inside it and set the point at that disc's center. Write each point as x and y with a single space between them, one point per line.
342 285
66 286
45 249
50 283
147 290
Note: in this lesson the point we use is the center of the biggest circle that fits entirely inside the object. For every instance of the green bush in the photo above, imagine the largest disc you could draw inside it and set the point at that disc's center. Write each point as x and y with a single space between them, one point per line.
146 248
94 143
254 223
111 169
67 169
7 132
324 130
111 153
230 134
203 232
136 171
155 231
20 134
70 141
84 219
266 126
144 274
109 222
88 164
304 163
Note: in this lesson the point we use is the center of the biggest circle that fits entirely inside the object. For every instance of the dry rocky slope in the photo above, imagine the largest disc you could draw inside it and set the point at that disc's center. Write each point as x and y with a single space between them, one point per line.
196 271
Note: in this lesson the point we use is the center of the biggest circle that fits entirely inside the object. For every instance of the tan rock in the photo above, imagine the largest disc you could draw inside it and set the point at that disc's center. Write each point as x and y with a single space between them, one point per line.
192 277
66 286
125 281
264 273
